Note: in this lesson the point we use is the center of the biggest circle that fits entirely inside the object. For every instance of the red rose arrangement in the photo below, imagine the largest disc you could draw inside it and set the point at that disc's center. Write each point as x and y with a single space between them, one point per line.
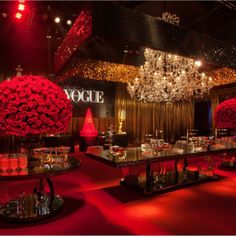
225 114
33 105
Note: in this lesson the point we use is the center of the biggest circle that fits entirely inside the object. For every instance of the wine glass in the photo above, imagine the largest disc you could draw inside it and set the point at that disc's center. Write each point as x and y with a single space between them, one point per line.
4 163
23 161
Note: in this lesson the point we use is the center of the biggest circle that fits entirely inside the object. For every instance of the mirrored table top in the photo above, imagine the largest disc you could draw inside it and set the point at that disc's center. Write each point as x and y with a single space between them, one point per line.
133 156
35 169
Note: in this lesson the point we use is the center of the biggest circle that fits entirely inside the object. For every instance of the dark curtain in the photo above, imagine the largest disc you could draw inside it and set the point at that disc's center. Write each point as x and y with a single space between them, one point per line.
144 118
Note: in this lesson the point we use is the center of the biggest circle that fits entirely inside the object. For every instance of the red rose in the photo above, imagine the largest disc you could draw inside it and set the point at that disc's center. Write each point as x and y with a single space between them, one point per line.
33 105
23 108
225 114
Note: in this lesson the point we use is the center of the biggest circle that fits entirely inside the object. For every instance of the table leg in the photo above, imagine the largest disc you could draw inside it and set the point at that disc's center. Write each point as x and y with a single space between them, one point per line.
52 193
185 164
176 172
149 178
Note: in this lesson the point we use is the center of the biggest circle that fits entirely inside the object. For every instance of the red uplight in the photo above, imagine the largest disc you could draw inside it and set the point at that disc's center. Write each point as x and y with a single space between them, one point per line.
89 128
18 15
21 7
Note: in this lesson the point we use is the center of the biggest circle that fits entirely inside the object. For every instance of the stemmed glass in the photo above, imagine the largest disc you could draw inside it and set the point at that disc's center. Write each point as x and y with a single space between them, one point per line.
23 161
4 163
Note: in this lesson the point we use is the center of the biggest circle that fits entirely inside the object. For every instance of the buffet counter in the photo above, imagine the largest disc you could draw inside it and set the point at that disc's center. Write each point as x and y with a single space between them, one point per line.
164 169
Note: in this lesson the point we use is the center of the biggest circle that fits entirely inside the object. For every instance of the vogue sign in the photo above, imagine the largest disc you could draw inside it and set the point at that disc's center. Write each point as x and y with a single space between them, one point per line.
98 95
85 96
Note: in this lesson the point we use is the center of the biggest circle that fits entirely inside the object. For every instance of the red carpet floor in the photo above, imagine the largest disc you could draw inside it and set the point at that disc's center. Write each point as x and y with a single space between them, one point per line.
95 204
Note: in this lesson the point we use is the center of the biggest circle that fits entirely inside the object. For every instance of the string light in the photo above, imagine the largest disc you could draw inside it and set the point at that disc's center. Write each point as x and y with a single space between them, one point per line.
223 76
57 19
79 32
21 7
198 63
101 70
18 15
68 22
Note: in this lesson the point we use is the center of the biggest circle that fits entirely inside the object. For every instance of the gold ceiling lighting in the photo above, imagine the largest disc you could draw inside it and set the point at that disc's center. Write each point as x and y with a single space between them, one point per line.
102 70
223 76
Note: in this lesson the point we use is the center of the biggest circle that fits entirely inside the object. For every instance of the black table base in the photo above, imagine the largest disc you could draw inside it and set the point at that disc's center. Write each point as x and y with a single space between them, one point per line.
40 204
56 207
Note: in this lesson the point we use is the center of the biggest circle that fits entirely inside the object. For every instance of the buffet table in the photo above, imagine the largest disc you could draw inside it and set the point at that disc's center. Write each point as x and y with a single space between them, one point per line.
163 171
39 204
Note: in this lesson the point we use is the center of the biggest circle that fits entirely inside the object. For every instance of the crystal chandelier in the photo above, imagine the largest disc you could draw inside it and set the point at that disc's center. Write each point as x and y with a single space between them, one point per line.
167 78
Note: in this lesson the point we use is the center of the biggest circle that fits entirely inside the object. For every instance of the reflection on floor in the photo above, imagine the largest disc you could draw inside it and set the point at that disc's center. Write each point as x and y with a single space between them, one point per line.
95 204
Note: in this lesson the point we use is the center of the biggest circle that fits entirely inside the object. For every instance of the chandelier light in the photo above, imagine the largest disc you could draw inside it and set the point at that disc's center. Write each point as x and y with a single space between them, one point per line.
169 18
167 78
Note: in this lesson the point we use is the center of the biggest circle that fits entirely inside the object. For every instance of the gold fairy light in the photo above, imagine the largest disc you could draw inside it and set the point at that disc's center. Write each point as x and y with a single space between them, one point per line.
102 70
223 76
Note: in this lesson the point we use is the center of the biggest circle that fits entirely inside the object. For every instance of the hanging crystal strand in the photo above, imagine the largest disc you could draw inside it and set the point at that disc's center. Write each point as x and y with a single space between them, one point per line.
168 78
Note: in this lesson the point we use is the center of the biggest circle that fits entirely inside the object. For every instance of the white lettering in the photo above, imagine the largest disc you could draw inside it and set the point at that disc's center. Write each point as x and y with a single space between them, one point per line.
85 96
92 96
75 95
100 96
67 93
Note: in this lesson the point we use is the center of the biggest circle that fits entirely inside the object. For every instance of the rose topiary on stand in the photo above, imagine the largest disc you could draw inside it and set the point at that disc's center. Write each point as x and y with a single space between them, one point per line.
225 118
33 105
225 114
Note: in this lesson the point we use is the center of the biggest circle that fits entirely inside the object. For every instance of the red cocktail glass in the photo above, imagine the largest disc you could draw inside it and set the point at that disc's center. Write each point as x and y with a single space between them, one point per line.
23 161
4 163
13 161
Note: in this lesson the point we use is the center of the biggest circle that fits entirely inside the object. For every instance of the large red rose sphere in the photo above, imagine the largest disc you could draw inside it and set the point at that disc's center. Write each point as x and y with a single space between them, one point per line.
225 114
33 105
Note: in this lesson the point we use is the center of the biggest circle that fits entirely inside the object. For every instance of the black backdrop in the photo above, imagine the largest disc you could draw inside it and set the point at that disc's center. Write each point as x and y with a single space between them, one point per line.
99 110
202 118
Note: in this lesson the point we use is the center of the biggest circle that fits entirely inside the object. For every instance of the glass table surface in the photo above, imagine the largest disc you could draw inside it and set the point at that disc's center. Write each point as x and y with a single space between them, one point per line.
134 156
36 170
